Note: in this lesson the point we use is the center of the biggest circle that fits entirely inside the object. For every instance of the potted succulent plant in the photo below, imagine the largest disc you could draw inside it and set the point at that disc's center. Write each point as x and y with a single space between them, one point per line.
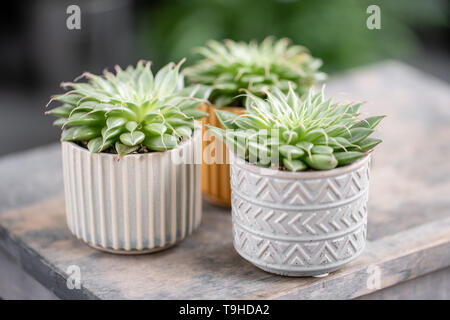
131 154
230 67
299 179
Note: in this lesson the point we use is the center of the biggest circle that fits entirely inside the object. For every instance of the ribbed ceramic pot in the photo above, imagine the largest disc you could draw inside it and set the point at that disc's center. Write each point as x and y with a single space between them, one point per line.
216 174
137 204
299 223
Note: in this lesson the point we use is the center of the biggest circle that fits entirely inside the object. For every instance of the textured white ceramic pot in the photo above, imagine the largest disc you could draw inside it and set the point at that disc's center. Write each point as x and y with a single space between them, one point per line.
138 204
299 223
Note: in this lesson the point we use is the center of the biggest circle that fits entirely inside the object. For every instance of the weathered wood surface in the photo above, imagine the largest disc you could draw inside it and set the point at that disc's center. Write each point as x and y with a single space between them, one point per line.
409 214
18 284
435 285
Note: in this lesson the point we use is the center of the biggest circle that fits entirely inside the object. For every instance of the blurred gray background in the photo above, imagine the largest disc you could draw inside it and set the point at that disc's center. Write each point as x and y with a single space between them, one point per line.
38 52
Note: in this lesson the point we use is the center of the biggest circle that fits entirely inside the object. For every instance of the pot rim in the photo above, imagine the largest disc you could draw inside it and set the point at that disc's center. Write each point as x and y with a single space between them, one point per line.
302 174
197 131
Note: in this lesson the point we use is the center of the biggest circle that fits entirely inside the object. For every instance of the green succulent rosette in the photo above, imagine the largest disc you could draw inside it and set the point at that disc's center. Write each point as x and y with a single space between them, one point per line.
229 67
129 110
296 133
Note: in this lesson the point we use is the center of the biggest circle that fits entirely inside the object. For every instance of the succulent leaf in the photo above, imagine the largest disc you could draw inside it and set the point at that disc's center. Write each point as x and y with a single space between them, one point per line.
184 131
294 165
110 133
155 128
344 158
132 139
95 145
291 152
131 126
68 98
226 118
357 134
322 149
62 111
367 144
115 122
161 143
59 122
194 113
321 161
305 145
80 133
123 149
370 122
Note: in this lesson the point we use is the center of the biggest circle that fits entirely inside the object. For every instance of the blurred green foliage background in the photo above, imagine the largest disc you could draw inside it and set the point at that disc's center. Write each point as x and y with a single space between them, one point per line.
334 30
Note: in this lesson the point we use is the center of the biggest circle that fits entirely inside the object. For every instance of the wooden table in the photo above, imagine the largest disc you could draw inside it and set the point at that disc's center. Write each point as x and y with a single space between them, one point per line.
408 251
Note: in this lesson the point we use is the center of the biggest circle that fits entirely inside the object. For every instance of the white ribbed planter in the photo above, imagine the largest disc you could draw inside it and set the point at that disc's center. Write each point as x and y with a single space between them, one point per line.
299 223
140 203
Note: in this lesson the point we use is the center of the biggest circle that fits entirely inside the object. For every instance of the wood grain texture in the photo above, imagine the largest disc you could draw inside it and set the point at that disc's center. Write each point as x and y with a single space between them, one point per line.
205 266
19 285
408 214
434 286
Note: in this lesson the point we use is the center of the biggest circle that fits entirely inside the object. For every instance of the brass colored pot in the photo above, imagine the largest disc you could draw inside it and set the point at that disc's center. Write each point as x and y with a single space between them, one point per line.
216 176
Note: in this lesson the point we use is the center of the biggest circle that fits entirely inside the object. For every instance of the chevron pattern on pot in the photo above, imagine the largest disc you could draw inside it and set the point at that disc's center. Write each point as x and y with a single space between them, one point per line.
270 189
298 256
299 223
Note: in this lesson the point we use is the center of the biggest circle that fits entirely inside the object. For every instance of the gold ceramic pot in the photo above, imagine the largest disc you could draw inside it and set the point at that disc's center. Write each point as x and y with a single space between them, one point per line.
215 165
